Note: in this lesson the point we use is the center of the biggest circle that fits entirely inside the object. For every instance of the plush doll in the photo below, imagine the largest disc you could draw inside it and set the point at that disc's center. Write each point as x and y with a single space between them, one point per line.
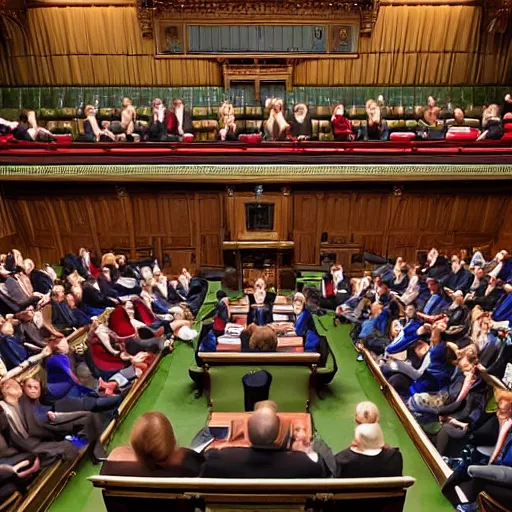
227 121
376 128
491 124
184 126
128 118
276 127
300 122
341 125
93 133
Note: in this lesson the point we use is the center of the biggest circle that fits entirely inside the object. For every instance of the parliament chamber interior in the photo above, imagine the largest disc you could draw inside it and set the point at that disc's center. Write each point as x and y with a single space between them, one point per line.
255 255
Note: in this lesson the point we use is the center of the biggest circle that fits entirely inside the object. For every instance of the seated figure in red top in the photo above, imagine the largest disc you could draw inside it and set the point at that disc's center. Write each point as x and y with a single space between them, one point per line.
341 125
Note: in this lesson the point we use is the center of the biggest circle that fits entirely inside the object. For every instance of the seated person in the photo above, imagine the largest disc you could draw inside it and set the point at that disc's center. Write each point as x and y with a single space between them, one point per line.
265 458
63 317
28 130
426 367
153 452
487 296
492 124
92 131
462 487
183 124
429 121
128 118
376 128
366 412
373 333
341 125
161 120
222 313
33 329
256 338
12 350
275 127
13 423
63 389
400 278
42 422
458 407
408 331
335 288
227 124
436 303
260 304
458 121
41 281
305 323
301 127
460 278
368 456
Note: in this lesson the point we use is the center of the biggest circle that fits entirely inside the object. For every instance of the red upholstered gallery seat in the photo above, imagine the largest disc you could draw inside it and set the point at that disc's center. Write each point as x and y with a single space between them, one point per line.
507 136
250 138
6 138
507 127
462 133
65 138
402 136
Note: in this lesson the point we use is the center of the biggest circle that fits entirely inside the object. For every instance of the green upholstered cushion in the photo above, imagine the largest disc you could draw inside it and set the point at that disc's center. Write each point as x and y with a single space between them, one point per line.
200 112
144 112
48 113
107 113
411 123
253 111
394 124
11 114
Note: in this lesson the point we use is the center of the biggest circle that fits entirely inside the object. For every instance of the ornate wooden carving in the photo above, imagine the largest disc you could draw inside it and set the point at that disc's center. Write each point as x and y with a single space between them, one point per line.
498 15
366 10
145 9
12 10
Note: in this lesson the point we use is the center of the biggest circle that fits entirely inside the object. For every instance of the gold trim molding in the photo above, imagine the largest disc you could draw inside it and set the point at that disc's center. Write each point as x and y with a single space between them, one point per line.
273 173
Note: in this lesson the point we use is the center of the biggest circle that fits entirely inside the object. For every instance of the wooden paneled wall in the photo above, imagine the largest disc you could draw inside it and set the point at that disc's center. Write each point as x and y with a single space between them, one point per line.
393 225
186 227
7 226
179 228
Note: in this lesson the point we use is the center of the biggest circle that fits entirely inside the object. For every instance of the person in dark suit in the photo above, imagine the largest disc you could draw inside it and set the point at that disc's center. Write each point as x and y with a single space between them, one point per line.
265 458
368 456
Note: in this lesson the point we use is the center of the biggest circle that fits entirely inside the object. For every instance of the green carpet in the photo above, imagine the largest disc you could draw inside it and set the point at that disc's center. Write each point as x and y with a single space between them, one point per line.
171 392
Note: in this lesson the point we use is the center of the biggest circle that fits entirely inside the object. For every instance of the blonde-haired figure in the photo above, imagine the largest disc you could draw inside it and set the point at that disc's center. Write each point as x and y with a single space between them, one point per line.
376 128
276 127
492 124
227 123
368 456
366 412
92 131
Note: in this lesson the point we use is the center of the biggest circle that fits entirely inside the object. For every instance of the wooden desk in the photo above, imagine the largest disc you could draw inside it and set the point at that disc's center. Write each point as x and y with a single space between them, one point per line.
284 344
237 421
